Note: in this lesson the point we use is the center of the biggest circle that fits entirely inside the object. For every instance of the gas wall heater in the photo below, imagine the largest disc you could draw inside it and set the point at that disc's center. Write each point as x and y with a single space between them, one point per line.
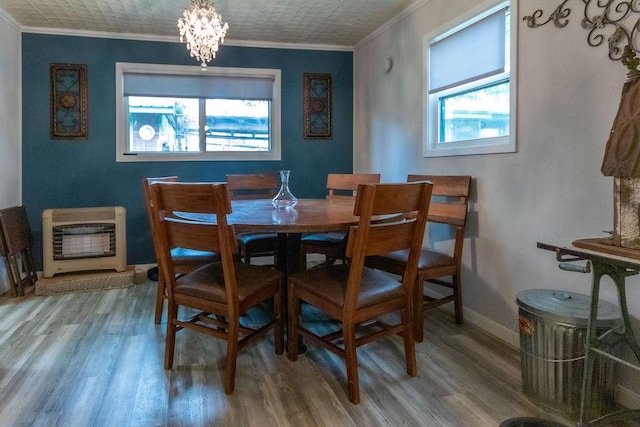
84 239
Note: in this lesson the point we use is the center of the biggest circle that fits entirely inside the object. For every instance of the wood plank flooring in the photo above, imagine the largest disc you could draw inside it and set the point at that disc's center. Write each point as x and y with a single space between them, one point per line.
95 359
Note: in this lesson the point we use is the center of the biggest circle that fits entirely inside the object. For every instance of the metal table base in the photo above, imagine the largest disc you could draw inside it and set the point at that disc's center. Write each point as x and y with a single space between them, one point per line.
618 269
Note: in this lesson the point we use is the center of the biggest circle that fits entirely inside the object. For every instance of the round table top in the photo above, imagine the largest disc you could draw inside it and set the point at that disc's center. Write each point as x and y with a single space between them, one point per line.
309 215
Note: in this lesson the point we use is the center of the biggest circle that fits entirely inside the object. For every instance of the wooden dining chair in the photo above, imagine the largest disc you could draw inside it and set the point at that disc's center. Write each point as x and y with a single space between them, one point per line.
254 186
332 245
184 260
356 295
16 247
449 207
221 291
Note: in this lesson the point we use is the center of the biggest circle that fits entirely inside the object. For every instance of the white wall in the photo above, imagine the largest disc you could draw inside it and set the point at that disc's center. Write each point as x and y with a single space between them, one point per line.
552 188
10 120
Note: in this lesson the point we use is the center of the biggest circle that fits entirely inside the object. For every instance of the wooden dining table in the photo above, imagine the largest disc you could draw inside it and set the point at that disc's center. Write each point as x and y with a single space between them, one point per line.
309 216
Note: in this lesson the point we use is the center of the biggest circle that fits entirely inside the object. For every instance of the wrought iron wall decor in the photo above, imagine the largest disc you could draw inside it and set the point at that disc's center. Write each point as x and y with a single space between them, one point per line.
68 101
612 20
317 106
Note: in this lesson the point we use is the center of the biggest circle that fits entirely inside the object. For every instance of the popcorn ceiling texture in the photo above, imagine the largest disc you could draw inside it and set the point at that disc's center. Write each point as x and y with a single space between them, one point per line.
326 22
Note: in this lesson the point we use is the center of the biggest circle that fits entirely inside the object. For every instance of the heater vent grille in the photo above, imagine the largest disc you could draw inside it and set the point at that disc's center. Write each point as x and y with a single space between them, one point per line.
84 241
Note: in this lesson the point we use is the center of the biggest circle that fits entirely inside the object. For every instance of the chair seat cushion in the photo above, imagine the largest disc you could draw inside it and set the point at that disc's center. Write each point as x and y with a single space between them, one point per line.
428 259
322 238
207 282
192 256
248 238
329 282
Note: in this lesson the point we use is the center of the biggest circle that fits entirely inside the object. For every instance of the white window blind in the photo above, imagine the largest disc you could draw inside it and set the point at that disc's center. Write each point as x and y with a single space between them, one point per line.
197 86
471 53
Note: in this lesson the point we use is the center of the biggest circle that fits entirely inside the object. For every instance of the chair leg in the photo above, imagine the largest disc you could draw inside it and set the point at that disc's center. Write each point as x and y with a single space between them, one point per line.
409 341
294 316
160 297
457 291
17 277
246 255
232 356
418 309
172 313
30 266
12 282
351 359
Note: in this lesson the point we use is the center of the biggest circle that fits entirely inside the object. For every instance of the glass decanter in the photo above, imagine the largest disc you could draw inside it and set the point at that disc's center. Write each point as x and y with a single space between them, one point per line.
284 199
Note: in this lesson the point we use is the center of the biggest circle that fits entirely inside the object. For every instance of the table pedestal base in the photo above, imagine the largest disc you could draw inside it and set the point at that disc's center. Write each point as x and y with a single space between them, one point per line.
288 262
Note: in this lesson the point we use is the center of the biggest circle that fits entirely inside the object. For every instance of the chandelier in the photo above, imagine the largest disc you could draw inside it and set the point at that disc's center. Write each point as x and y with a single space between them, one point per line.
202 29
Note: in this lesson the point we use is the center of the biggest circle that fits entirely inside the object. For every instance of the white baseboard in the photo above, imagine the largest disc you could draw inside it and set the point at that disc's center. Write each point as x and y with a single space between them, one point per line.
627 398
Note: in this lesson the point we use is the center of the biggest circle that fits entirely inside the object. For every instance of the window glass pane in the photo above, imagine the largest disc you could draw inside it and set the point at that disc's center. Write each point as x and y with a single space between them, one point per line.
159 124
237 125
475 114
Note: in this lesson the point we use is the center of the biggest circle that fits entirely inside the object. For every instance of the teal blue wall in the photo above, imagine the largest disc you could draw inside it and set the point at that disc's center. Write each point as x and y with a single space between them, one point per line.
83 173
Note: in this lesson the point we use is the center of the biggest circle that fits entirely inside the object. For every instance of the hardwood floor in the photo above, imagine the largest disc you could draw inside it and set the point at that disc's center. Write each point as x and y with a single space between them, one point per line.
95 359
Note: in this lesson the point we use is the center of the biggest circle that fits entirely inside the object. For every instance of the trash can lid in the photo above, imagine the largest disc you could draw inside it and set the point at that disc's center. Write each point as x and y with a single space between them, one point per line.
567 307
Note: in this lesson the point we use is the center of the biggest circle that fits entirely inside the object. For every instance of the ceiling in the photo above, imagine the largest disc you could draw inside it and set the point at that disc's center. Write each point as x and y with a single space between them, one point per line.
311 22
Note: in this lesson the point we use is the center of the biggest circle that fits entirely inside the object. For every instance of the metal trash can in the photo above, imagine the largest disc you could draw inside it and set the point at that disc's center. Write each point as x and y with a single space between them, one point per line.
553 329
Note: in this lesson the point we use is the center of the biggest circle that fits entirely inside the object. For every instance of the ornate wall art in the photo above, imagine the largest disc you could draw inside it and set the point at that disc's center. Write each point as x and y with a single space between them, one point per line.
68 101
317 106
616 22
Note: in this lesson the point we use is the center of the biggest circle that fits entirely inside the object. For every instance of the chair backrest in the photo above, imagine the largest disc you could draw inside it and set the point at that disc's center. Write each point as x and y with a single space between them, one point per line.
252 186
345 185
393 234
15 229
172 204
449 204
146 190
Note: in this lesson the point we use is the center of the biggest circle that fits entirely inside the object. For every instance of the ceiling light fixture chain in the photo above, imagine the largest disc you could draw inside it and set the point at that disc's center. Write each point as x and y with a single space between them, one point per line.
601 17
203 30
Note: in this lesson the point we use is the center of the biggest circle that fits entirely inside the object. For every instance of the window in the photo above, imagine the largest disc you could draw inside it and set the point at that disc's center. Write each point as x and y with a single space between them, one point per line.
173 113
469 104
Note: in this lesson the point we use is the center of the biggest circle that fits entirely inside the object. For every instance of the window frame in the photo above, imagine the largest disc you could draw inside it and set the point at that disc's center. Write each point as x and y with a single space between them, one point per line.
122 119
431 102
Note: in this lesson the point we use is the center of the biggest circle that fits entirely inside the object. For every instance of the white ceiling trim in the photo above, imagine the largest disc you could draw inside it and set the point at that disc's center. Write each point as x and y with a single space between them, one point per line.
169 39
9 19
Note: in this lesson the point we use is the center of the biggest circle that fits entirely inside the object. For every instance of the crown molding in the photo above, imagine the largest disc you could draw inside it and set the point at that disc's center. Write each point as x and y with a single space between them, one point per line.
175 39
9 19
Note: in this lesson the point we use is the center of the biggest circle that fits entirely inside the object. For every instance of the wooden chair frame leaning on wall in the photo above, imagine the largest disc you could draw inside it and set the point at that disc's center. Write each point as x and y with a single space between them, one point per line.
254 186
449 206
221 291
357 295
332 245
16 243
184 260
